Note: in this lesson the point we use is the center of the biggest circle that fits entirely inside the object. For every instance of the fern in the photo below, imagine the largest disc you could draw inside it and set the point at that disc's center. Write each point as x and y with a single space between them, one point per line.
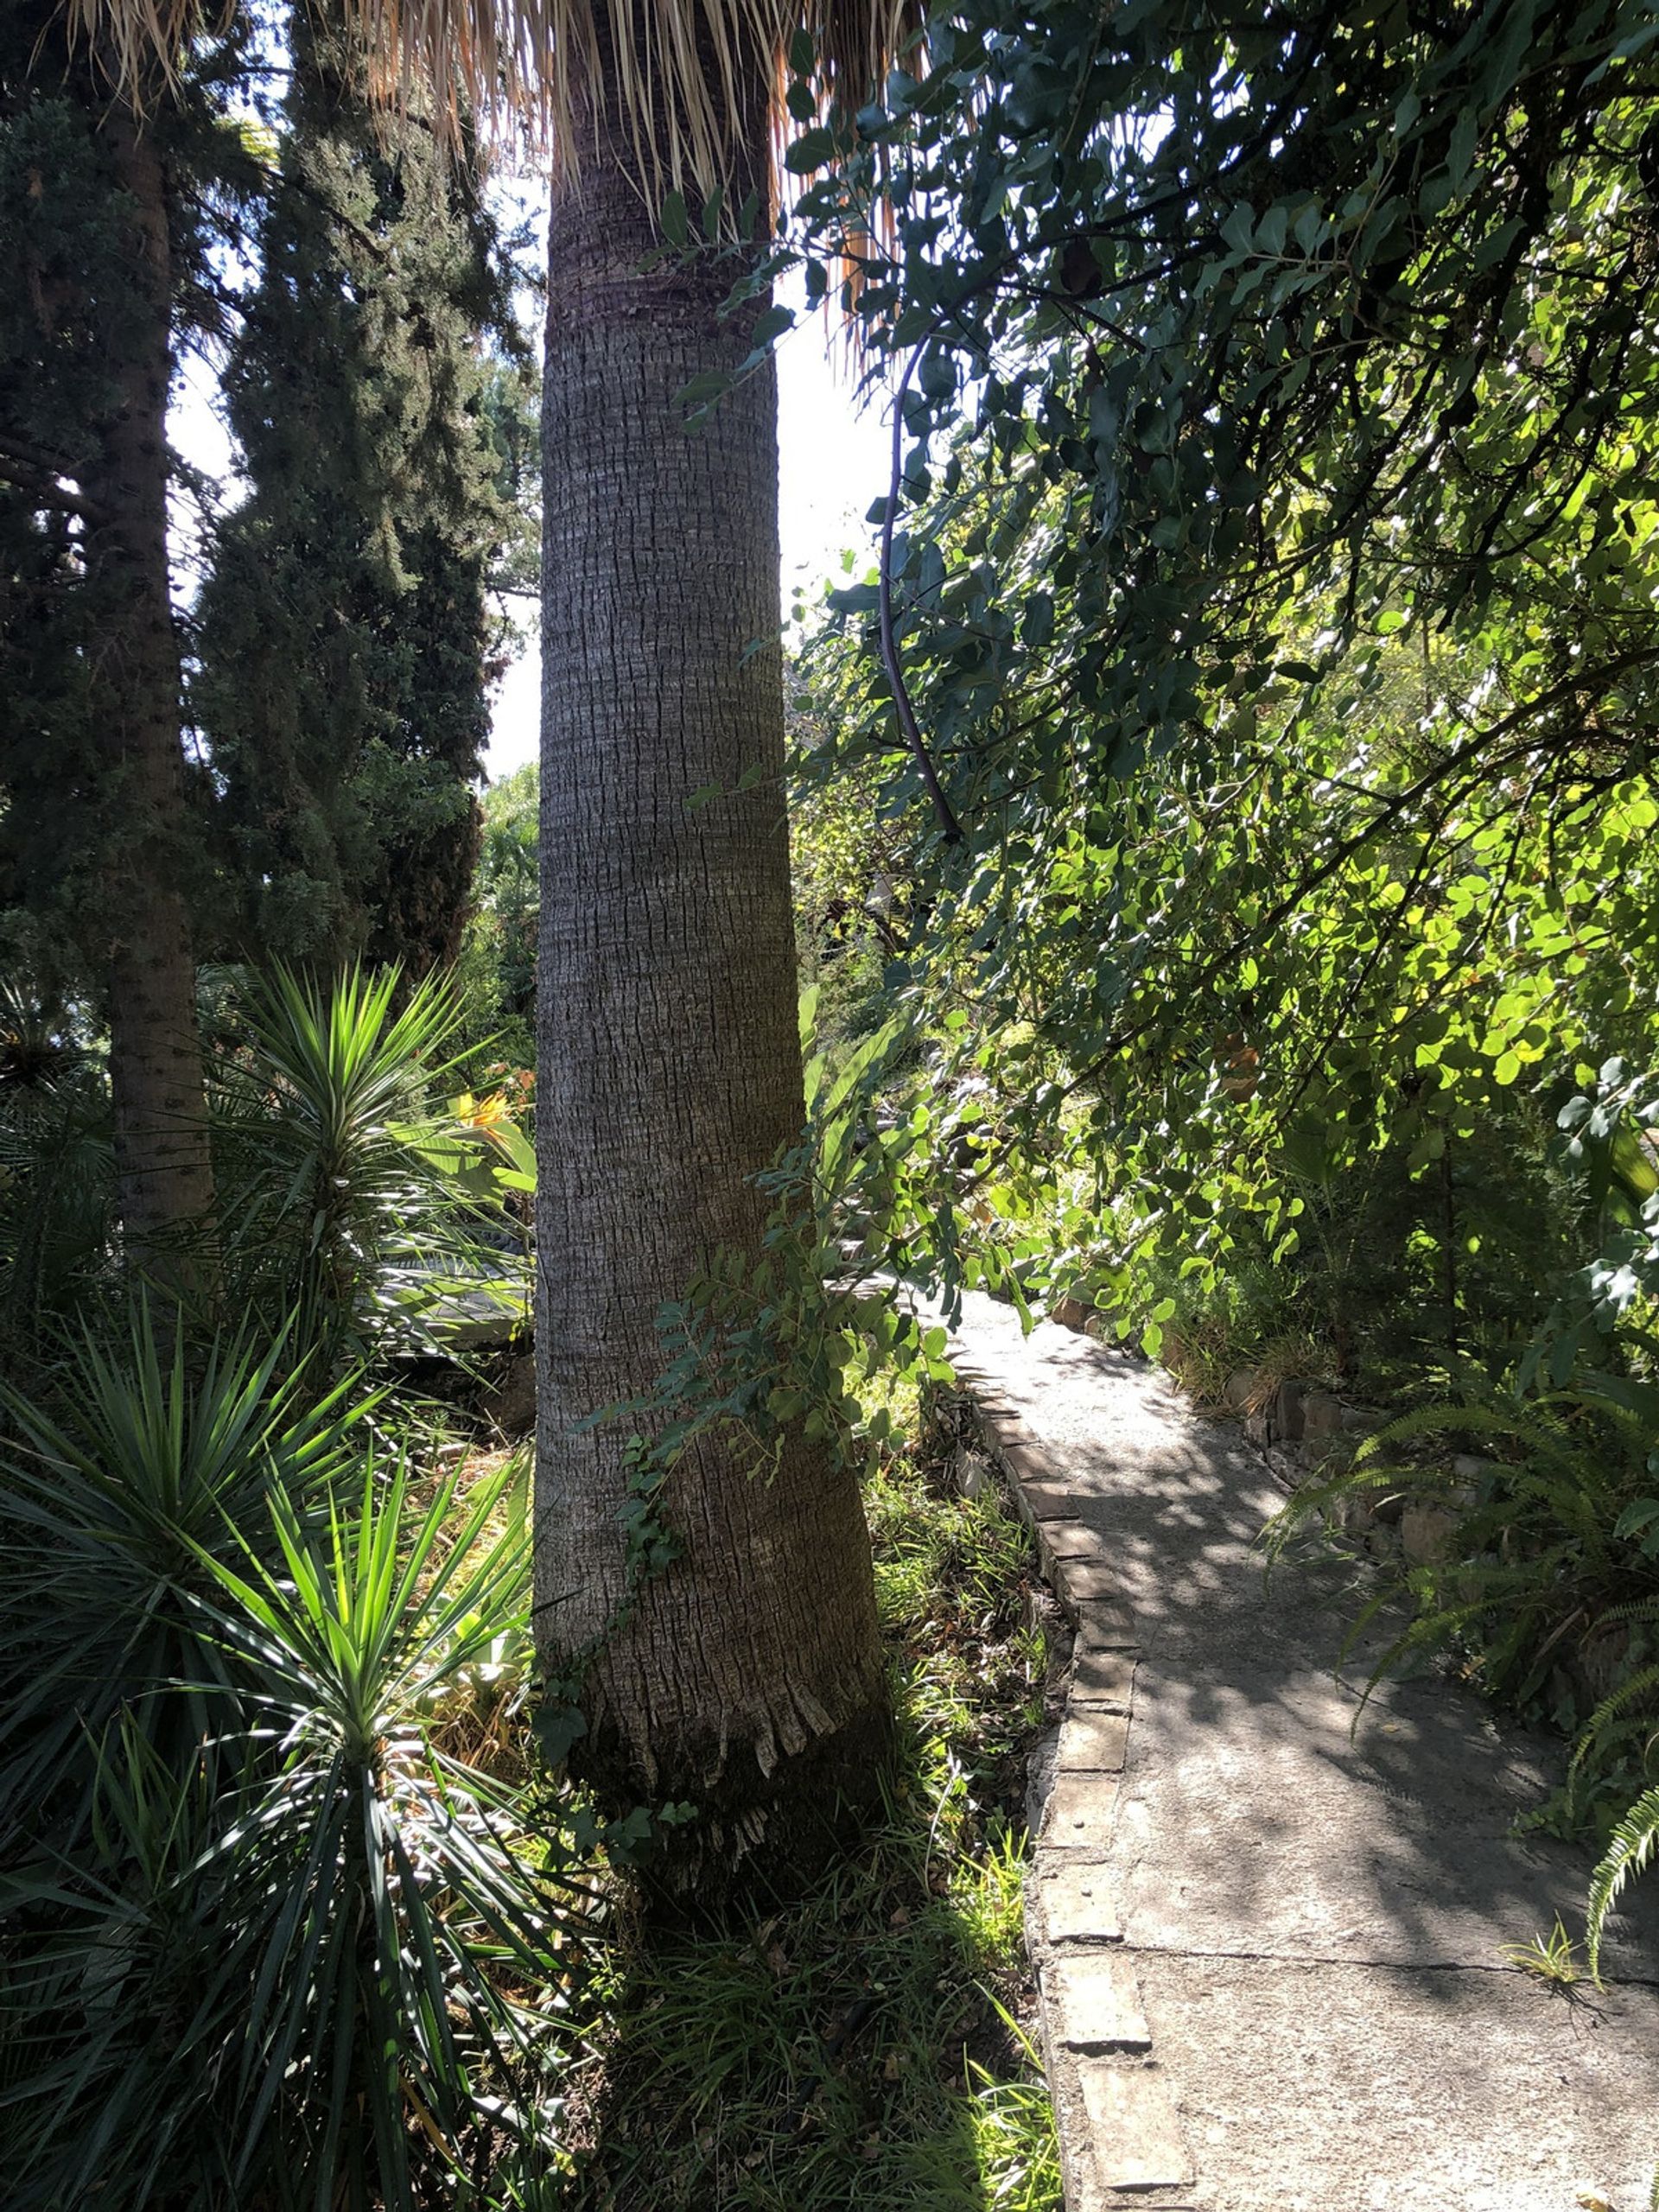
1476 1417
1628 1854
1546 1555
1643 1684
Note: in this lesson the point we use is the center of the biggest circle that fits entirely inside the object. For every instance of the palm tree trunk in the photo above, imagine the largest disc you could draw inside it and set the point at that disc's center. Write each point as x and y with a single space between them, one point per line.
747 1678
163 1169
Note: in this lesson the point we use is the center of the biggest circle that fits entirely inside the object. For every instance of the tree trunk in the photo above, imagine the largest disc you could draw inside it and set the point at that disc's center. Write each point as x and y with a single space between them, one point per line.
748 1677
164 1172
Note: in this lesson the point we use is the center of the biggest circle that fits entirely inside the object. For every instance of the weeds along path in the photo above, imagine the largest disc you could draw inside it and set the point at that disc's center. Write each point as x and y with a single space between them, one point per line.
1271 1923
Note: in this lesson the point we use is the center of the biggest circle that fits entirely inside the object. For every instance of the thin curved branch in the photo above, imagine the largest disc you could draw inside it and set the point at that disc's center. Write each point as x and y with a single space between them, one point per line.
949 827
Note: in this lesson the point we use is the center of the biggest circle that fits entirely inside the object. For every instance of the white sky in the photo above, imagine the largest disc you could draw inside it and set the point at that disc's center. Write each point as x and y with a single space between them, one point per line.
833 461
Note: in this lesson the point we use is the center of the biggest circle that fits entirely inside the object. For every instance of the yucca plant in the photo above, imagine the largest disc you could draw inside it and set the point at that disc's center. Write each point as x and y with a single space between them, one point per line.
341 1164
397 1942
114 1503
326 1970
118 2004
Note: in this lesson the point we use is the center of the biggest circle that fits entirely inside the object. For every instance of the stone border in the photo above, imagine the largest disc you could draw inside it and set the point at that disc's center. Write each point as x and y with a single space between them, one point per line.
1120 2136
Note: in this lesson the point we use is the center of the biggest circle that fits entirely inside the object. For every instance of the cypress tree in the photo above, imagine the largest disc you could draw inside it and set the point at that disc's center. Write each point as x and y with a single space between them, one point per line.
105 216
346 641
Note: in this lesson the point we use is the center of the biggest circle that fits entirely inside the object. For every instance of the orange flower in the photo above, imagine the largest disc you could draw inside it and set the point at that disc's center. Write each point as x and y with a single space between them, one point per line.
482 1113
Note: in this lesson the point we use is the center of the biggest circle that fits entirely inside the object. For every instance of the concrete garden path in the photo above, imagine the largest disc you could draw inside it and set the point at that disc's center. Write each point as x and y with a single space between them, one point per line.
1271 1943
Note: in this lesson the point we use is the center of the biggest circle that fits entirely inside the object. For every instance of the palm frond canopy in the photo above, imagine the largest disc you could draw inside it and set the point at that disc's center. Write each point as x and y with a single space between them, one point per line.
685 69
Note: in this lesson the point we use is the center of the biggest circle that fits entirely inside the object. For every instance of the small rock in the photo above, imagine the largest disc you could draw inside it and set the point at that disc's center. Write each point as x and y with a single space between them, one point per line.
1352 1511
971 1475
1042 1764
1468 1467
1038 1609
1604 1660
1070 1313
1239 1388
512 1404
1284 1415
1426 1534
1288 1463
1321 1416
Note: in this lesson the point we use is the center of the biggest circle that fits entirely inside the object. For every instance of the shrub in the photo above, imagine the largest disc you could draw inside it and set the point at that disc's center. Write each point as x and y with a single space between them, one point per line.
269 1942
118 1500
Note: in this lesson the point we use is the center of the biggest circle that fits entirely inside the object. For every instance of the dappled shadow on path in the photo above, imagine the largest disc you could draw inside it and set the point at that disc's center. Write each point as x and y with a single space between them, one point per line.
1268 1810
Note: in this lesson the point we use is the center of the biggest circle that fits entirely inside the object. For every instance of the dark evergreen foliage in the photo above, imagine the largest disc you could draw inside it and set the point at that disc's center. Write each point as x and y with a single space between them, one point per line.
345 636
70 308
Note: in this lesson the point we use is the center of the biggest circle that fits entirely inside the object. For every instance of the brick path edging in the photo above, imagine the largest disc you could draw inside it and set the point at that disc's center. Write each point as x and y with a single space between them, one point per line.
1120 2137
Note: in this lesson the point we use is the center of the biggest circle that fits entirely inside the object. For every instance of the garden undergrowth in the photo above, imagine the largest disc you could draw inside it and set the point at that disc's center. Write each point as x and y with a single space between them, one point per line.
874 2044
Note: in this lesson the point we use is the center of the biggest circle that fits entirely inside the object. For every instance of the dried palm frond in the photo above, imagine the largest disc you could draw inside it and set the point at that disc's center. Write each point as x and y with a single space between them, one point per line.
686 71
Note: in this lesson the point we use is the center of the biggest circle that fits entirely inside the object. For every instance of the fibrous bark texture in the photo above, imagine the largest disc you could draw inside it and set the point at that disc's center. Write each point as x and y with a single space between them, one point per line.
163 1169
747 1677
